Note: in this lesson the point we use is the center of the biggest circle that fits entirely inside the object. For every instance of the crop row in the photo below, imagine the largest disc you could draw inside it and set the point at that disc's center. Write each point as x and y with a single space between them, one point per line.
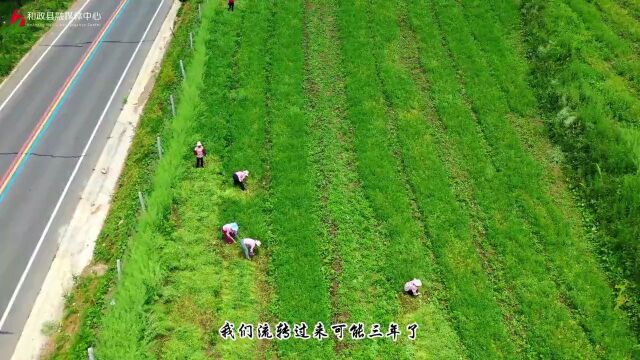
441 189
633 7
619 58
579 273
468 292
620 20
360 291
238 127
296 264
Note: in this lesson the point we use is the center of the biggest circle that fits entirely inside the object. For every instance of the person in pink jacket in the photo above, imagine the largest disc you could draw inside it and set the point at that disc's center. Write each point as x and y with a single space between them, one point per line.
239 178
411 287
249 246
200 152
230 232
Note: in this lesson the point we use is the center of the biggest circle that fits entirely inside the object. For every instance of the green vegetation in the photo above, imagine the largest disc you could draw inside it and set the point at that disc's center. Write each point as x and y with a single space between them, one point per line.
599 144
386 141
16 41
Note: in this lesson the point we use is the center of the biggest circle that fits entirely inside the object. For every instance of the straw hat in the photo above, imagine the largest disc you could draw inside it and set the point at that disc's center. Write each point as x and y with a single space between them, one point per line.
258 243
417 282
198 143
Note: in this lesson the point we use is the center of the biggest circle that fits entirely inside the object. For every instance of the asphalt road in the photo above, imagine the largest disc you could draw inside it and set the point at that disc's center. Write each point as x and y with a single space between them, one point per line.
28 202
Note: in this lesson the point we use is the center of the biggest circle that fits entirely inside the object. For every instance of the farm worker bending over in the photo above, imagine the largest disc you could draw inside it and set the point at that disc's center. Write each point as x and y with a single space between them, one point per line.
411 287
200 152
230 232
248 247
231 4
239 177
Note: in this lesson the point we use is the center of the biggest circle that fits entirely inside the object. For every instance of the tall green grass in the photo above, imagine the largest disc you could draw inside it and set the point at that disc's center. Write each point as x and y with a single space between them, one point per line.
601 42
300 277
632 6
621 21
123 327
601 156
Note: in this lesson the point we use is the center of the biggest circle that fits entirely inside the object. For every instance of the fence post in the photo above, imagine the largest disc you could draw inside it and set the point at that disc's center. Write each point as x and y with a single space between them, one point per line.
141 198
159 147
91 355
184 75
173 105
119 268
191 39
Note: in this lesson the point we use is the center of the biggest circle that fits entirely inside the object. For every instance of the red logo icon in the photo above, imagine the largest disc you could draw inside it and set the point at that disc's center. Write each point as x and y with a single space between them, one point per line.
17 16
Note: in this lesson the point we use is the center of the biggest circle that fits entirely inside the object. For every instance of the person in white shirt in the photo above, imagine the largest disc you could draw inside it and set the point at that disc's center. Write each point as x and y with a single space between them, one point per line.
411 287
249 246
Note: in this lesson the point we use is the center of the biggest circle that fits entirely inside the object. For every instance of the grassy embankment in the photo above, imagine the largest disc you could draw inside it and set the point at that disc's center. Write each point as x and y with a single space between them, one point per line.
85 305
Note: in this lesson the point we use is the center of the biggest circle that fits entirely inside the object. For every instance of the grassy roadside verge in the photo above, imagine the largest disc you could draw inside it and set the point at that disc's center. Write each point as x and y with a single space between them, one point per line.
124 332
16 41
192 296
85 305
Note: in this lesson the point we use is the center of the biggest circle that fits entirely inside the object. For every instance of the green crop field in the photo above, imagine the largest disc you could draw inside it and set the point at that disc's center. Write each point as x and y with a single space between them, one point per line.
489 148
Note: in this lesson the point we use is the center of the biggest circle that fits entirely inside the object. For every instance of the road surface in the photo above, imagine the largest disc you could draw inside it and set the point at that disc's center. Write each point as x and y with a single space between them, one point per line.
49 109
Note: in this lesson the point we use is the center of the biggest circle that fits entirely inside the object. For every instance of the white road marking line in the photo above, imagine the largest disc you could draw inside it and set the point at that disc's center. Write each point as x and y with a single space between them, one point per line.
24 78
75 171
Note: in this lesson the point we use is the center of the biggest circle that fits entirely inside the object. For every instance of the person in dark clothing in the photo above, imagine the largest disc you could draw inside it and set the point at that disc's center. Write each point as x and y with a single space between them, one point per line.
231 5
200 152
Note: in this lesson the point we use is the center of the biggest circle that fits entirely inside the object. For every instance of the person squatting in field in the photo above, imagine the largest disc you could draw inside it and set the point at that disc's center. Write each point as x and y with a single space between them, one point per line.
200 152
231 5
411 287
239 177
230 232
248 247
